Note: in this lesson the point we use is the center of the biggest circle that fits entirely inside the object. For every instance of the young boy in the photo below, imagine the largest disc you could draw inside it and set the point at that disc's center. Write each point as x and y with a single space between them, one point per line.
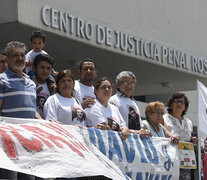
42 67
37 41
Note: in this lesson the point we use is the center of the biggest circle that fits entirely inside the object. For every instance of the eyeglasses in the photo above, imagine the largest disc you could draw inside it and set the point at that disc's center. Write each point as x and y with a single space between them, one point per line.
2 61
106 87
127 83
158 113
179 101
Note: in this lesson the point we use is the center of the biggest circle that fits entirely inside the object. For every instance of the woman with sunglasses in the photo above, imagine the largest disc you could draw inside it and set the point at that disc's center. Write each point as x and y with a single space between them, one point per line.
175 122
154 114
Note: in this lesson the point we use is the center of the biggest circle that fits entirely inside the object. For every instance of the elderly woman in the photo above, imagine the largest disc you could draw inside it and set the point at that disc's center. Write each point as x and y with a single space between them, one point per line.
175 122
104 115
154 114
62 106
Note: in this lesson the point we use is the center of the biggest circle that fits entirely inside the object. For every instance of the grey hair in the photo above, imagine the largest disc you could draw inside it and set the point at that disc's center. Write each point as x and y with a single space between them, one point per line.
14 44
122 74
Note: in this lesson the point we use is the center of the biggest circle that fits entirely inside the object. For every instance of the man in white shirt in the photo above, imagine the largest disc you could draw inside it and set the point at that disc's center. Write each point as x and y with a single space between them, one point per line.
83 89
42 66
125 83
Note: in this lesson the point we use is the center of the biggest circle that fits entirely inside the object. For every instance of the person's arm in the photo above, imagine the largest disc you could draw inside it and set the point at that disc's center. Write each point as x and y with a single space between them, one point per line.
95 116
1 101
143 132
194 139
124 132
87 102
37 115
174 137
103 126
50 109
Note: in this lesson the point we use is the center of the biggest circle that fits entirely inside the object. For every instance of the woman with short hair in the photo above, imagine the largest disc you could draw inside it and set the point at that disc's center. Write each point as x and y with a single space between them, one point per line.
62 106
176 122
104 115
154 114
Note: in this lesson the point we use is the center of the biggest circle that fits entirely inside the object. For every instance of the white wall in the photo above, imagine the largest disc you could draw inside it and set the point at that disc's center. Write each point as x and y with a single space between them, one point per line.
175 24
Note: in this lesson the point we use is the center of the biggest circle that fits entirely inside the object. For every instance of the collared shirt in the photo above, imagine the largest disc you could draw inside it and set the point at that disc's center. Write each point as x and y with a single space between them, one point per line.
173 126
18 95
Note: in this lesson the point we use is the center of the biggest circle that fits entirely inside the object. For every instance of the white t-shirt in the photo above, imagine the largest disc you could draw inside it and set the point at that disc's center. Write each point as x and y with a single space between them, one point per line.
128 109
173 125
98 113
41 98
82 92
65 110
30 56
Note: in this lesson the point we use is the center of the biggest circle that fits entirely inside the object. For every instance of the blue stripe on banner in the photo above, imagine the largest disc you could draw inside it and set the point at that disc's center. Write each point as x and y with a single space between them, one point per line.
119 150
146 141
115 148
92 132
139 147
130 154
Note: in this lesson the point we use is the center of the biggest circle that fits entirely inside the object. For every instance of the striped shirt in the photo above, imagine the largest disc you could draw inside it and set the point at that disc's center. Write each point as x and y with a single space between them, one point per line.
18 95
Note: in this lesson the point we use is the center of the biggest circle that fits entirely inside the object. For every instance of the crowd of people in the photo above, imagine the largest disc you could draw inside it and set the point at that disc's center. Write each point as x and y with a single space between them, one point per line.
31 88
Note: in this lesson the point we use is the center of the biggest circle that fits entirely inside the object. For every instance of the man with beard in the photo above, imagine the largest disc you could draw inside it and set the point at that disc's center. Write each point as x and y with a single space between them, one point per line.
84 90
17 93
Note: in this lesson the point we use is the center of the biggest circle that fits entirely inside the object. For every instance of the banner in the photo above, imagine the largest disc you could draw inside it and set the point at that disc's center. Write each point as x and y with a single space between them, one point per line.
202 120
140 158
50 150
202 107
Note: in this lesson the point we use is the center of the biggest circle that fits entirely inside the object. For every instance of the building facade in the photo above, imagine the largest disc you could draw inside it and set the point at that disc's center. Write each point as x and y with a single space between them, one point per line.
162 42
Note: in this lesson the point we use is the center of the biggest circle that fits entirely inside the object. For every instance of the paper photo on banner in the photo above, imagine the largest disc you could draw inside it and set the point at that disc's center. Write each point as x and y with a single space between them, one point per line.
113 124
78 114
133 117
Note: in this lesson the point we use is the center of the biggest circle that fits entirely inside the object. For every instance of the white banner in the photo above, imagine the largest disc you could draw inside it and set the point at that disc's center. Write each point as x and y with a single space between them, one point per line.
202 118
202 107
52 150
48 150
140 158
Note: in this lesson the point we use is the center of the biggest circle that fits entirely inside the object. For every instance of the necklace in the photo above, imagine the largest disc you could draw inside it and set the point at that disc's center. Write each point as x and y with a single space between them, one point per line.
154 128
